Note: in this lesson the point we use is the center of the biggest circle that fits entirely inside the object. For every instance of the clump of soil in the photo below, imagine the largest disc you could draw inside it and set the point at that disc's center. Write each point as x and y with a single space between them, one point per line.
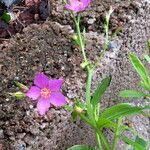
29 11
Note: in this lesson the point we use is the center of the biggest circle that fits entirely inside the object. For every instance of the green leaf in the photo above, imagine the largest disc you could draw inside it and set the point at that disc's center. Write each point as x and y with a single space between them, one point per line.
80 147
105 123
84 31
135 145
148 45
82 105
139 67
74 115
6 17
145 85
67 107
141 141
121 110
100 91
131 93
123 128
147 58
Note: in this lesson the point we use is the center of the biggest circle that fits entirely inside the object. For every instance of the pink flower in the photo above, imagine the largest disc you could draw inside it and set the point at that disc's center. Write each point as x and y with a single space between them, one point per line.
77 5
47 92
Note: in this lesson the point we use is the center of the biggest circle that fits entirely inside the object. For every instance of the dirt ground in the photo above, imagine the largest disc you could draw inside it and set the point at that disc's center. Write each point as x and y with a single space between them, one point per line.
47 48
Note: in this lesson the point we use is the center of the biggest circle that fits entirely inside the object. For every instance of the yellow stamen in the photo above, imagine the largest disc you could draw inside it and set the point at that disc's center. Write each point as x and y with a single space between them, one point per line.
80 3
45 93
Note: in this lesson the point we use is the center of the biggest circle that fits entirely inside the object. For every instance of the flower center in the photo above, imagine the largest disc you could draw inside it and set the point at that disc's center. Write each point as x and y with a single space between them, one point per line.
80 3
45 93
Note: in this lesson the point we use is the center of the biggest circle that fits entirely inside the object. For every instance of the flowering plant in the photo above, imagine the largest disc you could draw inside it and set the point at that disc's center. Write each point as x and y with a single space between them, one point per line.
47 92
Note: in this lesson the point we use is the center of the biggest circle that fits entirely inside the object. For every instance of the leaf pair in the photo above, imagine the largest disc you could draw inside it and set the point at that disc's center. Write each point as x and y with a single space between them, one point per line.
118 111
122 110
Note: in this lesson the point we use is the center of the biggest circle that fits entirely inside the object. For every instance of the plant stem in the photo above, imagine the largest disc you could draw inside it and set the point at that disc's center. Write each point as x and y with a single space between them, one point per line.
90 110
106 44
98 141
89 70
82 46
88 91
119 122
102 137
83 117
91 117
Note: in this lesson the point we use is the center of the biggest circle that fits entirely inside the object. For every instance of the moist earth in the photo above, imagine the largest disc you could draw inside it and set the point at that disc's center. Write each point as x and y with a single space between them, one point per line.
48 48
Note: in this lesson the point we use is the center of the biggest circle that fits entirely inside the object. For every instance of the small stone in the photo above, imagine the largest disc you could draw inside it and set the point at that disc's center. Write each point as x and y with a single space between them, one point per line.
91 20
21 135
31 106
29 139
1 147
7 99
50 116
1 134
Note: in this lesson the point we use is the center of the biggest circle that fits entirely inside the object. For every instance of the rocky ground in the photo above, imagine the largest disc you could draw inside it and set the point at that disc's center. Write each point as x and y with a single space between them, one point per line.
47 47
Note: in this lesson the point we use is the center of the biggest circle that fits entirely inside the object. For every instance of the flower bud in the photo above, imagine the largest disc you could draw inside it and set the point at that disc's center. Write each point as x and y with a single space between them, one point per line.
22 86
78 110
83 65
18 95
75 37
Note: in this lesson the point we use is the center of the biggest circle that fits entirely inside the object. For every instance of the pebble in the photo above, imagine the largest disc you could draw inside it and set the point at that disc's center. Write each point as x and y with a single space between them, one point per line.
91 20
1 134
1 147
31 106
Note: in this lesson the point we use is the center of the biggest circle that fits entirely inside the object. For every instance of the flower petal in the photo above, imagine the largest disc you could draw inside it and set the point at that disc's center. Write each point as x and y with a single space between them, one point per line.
79 9
34 92
41 80
55 85
86 2
57 99
68 6
72 2
43 105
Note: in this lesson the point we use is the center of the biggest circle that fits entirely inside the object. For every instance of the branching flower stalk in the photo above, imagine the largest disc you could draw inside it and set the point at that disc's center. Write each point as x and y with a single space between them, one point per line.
107 39
89 67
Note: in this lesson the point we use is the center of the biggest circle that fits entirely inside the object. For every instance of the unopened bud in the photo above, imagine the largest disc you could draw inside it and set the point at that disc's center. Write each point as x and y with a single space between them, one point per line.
78 110
109 13
84 64
22 86
75 37
18 95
